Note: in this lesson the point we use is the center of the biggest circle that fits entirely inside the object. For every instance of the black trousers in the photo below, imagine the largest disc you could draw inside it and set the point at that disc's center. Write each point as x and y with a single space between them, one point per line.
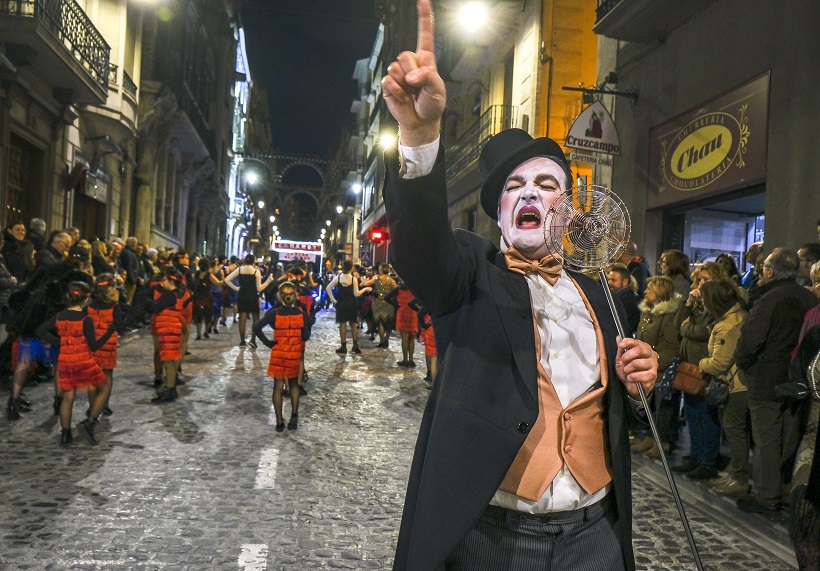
505 540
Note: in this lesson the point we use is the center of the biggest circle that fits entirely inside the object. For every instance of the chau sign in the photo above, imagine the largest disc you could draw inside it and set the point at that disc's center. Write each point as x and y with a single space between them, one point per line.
717 147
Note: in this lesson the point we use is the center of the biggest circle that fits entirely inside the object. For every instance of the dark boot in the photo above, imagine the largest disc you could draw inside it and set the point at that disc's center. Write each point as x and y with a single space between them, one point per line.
88 426
168 394
65 437
356 349
293 424
13 409
342 350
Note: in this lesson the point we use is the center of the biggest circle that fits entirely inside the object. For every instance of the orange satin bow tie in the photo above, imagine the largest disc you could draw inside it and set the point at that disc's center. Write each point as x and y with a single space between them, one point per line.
549 267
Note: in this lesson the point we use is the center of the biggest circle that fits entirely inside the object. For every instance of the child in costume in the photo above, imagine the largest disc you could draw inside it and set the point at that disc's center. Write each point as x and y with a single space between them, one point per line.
73 330
291 328
105 311
168 308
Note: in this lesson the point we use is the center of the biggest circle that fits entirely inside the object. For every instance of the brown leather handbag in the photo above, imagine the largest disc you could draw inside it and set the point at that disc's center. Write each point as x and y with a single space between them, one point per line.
691 379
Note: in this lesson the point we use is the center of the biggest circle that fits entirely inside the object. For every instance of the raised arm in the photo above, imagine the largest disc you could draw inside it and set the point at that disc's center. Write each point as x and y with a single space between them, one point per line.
413 90
229 279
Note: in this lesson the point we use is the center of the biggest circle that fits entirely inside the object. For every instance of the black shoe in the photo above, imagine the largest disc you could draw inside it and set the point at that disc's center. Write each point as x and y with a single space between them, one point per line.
107 411
65 437
302 390
252 344
23 404
158 382
13 409
411 363
280 427
689 464
206 336
342 350
428 377
703 472
372 336
293 423
242 343
58 402
751 505
197 338
187 352
88 426
180 381
168 394
223 324
402 363
356 349
215 331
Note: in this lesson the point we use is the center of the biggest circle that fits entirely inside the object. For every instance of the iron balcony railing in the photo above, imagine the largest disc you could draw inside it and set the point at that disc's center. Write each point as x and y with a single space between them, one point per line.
128 84
112 73
604 7
469 145
70 25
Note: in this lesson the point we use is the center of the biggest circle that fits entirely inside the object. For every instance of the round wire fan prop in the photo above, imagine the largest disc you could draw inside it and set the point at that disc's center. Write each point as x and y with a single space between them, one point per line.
588 227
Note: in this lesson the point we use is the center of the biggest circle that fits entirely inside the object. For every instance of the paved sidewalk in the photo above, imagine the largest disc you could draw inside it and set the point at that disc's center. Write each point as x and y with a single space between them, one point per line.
206 483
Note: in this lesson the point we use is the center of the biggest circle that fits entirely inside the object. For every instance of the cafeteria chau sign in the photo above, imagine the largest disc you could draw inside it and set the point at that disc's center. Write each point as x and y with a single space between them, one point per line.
717 147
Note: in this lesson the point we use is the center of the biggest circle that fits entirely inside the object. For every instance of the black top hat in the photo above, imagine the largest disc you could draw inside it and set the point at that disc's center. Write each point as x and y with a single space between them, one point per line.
503 153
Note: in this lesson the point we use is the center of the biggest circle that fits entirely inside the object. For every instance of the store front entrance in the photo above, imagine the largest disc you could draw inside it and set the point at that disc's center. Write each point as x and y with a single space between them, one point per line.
704 229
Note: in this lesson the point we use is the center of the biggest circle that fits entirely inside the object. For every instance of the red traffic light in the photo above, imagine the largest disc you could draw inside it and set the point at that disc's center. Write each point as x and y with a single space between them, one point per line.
377 235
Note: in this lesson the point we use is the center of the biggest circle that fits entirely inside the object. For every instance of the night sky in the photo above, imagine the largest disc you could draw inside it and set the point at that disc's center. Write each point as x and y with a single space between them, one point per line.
304 53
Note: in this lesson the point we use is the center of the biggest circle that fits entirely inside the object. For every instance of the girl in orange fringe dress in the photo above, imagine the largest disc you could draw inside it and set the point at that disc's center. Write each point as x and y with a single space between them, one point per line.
291 328
104 310
73 330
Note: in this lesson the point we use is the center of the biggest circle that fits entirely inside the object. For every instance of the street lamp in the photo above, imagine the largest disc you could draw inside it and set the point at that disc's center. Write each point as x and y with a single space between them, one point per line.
252 178
339 209
261 204
387 140
473 15
272 218
357 188
328 223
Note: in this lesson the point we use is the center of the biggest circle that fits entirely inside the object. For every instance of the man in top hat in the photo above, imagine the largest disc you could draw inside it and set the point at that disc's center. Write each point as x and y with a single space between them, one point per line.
522 460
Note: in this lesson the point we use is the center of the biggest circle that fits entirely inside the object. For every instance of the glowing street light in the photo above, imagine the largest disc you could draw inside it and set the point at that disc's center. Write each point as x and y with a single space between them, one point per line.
275 228
261 204
473 15
339 210
387 140
252 178
357 188
328 222
272 218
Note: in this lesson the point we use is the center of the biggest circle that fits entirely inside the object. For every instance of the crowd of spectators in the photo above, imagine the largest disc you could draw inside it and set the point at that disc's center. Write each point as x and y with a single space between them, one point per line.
757 329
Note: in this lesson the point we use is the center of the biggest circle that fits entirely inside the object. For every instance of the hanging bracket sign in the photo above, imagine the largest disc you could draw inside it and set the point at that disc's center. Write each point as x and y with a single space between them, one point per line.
594 131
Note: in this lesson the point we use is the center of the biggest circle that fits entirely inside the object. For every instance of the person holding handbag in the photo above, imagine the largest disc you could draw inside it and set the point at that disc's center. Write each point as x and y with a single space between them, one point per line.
721 300
702 420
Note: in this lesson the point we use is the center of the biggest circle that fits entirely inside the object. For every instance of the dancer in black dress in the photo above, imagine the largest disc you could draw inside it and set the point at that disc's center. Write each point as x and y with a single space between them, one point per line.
250 286
347 290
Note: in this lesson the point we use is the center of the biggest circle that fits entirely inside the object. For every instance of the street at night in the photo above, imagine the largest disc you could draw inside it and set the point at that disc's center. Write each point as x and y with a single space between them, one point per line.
206 483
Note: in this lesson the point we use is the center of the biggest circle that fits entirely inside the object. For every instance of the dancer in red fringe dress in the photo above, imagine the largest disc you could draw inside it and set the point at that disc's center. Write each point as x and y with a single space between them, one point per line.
168 308
429 337
291 328
407 323
74 331
104 310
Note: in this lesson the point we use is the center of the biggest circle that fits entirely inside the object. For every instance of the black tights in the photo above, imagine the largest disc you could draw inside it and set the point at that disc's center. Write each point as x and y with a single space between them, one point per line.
278 389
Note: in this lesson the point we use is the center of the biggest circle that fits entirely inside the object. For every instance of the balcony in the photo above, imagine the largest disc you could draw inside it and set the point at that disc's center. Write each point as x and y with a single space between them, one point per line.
465 151
644 20
58 42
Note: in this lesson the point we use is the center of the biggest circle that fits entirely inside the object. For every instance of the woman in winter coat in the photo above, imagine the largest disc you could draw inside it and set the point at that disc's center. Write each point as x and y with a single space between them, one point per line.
722 301
657 327
702 420
675 266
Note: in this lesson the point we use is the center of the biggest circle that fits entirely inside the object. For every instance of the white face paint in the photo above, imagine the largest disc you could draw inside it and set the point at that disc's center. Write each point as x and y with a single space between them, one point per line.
527 196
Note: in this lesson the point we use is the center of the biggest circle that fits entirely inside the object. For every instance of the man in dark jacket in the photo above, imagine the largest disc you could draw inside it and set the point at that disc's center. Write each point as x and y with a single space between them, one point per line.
618 279
130 262
521 429
55 251
763 353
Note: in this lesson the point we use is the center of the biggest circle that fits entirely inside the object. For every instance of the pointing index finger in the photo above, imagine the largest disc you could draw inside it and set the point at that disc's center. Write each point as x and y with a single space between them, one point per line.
425 31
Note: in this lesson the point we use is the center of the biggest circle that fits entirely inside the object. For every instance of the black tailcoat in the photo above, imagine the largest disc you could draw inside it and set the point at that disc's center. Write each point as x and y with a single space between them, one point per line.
485 397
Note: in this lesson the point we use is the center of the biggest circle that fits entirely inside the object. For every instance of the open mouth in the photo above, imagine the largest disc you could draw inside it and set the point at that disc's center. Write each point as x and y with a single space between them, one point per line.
528 217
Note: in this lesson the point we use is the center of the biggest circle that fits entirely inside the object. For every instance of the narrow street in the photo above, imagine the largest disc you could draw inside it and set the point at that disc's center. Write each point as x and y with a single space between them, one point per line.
206 482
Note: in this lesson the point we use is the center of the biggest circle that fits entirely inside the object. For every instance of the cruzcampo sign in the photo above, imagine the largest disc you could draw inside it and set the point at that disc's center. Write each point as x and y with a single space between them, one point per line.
717 147
592 132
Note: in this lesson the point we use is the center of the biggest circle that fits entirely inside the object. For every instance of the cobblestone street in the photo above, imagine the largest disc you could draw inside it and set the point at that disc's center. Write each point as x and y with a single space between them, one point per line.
206 483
